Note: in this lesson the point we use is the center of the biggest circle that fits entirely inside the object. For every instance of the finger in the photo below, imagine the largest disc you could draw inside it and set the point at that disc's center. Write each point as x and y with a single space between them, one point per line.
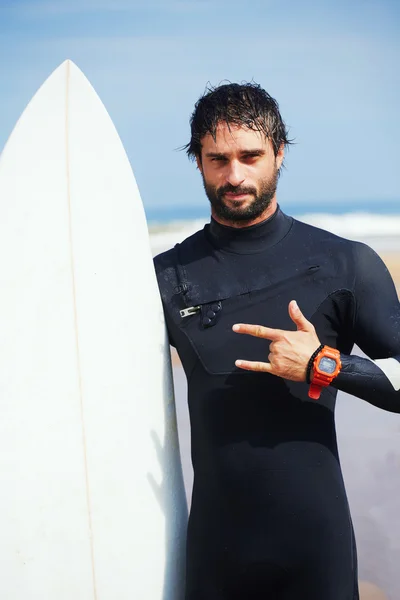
298 318
259 331
249 365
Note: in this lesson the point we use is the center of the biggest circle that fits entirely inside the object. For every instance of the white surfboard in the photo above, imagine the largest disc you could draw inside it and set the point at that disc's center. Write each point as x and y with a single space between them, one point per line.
92 503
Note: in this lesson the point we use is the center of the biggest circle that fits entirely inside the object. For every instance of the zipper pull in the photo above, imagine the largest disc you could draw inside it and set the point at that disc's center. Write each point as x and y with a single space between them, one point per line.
189 311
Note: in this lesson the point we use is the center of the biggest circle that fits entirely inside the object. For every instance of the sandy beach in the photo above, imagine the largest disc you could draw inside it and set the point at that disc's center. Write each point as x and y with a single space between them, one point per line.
392 261
369 445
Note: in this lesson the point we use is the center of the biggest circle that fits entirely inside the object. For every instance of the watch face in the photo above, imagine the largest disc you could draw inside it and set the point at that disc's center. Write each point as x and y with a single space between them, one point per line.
327 365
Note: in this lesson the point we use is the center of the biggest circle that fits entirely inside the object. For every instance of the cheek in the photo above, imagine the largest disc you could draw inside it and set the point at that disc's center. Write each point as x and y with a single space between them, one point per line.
212 175
266 169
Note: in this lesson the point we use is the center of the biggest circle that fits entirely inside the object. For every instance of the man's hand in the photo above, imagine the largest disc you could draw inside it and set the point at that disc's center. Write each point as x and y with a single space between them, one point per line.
290 351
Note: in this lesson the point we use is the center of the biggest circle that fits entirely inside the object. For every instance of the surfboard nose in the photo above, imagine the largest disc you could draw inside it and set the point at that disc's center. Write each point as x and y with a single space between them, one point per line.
69 67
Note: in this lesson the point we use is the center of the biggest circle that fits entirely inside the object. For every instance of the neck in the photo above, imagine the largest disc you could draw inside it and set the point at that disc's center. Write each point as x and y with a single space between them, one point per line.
249 240
241 224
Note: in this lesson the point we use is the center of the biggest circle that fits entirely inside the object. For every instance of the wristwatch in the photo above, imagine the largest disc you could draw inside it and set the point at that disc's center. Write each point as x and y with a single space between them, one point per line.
326 367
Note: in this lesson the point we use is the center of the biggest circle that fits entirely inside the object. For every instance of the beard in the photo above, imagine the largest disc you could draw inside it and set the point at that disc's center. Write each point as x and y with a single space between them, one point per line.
234 213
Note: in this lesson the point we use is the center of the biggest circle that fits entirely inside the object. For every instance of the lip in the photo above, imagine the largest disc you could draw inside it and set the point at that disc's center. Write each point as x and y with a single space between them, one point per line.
232 196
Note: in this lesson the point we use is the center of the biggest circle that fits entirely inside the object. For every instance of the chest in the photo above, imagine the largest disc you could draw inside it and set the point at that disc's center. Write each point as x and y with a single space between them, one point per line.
258 293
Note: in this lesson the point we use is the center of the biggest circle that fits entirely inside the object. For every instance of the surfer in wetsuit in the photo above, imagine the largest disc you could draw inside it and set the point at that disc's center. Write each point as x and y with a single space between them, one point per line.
269 516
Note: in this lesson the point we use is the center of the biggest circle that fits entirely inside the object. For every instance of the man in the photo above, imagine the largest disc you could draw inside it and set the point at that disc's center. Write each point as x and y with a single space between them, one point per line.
269 517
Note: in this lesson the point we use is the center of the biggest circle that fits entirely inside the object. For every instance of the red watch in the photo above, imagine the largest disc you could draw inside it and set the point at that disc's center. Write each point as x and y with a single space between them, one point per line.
326 367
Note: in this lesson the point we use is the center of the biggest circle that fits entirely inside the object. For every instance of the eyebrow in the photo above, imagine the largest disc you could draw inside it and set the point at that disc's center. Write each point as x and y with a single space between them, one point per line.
255 152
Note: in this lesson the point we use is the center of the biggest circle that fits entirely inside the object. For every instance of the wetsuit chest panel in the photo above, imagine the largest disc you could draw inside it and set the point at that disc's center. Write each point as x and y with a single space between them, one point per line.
217 346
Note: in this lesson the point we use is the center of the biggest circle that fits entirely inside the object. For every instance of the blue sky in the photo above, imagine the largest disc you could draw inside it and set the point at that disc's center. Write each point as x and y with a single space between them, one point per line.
333 66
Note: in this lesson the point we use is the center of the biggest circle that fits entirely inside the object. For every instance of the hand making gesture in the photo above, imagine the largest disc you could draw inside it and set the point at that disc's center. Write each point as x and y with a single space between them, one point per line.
290 351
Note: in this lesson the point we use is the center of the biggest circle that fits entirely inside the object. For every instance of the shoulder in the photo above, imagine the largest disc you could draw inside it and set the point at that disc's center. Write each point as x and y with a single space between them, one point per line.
166 260
353 260
168 264
331 243
370 270
359 264
320 236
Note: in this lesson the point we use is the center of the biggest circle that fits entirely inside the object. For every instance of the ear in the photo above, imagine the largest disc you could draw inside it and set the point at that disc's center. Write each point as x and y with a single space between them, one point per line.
199 164
280 155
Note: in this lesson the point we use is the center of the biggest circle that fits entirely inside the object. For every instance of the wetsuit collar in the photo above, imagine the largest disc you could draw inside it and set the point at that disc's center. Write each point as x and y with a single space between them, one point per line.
249 240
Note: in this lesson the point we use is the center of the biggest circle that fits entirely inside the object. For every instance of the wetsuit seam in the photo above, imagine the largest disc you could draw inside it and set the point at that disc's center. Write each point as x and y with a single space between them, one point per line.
370 376
195 363
347 290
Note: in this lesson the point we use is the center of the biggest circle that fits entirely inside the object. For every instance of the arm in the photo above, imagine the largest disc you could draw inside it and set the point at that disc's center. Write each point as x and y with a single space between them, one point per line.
377 332
375 328
166 280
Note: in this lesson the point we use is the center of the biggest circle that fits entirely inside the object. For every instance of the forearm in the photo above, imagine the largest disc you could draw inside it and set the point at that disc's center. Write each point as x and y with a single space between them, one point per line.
376 382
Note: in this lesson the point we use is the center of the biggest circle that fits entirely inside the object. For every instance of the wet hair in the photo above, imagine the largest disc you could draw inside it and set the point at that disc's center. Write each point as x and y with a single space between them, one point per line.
246 104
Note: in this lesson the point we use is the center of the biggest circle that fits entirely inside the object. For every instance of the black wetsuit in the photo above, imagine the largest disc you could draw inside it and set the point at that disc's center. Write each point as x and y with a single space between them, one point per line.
269 517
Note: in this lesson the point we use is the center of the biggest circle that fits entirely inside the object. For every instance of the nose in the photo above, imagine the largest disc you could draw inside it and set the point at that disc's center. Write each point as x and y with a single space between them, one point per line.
235 175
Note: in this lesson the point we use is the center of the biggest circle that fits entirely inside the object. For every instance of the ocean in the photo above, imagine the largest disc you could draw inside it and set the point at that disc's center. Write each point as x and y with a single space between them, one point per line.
376 223
164 214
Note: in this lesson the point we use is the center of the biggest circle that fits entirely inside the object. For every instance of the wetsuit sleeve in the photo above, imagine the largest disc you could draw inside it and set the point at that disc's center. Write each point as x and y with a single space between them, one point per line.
376 328
165 274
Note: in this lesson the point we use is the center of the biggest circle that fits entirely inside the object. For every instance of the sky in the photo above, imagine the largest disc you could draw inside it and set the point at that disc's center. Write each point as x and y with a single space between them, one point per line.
332 65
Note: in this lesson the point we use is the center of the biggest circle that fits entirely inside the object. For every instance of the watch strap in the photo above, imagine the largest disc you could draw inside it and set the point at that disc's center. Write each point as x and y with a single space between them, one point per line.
314 391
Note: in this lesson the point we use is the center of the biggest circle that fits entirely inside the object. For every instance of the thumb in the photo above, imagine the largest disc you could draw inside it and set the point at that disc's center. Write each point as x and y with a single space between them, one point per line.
298 318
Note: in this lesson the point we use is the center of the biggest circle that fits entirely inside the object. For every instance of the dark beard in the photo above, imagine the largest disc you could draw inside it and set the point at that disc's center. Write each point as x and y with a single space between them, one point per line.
233 214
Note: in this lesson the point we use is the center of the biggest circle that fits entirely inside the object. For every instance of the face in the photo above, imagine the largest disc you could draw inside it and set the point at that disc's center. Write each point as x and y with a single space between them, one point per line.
240 174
